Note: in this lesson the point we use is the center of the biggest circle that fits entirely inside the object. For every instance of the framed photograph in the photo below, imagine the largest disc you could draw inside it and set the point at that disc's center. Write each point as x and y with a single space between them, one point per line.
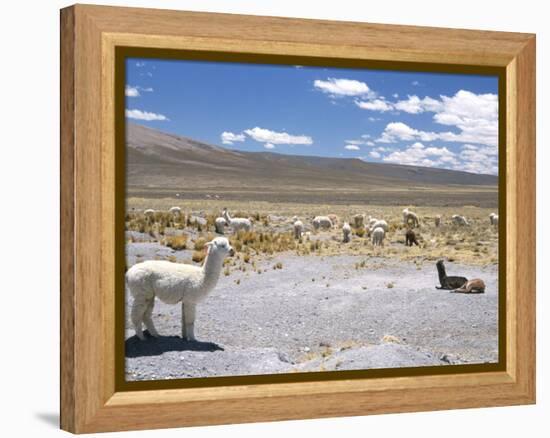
271 218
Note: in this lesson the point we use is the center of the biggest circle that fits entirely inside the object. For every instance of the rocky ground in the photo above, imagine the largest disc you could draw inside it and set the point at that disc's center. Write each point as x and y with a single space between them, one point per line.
319 313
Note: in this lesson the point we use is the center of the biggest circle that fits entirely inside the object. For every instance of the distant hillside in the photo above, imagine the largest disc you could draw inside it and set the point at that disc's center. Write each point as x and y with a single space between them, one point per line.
158 163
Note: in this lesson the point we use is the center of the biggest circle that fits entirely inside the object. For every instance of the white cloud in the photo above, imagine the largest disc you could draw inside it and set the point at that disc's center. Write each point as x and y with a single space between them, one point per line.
352 147
269 146
415 83
370 143
415 105
267 136
374 154
140 64
396 131
374 119
419 155
131 91
356 142
144 115
229 137
374 105
342 87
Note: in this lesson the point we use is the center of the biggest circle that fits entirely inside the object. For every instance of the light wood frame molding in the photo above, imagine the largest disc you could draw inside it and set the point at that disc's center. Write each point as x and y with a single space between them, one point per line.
89 37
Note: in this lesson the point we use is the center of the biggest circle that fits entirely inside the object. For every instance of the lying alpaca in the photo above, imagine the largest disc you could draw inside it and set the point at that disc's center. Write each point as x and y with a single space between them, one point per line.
172 283
448 283
410 238
475 286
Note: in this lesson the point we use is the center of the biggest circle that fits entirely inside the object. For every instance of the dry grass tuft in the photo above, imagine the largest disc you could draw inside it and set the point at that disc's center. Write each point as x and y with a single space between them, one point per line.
177 243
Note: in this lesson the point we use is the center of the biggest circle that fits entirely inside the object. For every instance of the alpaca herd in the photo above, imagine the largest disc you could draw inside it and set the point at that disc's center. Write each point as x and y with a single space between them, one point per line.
174 283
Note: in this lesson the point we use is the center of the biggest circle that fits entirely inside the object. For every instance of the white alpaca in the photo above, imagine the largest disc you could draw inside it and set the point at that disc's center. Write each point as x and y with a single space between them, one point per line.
438 220
298 228
358 220
334 219
149 213
237 223
378 224
220 223
409 216
459 220
346 230
323 222
175 211
378 236
493 217
172 283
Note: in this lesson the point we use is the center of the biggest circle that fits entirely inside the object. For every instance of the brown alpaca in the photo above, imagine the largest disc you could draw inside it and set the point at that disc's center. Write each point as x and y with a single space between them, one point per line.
475 286
410 238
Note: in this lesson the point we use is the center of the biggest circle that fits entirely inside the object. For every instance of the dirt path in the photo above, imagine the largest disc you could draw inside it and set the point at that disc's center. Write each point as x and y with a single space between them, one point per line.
321 313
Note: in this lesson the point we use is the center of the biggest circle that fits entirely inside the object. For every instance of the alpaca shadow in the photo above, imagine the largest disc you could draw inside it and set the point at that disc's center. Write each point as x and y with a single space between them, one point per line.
151 346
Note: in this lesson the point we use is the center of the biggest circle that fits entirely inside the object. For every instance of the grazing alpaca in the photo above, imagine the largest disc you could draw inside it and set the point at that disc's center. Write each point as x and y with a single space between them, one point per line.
447 282
175 211
237 223
334 219
298 228
172 283
358 220
323 222
378 236
460 220
346 230
409 216
220 223
475 286
410 238
438 220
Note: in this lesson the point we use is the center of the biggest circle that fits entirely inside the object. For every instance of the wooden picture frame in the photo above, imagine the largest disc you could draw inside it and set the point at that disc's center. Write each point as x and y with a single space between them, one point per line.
91 401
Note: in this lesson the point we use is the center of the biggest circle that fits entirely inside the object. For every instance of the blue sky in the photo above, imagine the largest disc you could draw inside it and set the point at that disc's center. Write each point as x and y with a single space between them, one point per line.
434 120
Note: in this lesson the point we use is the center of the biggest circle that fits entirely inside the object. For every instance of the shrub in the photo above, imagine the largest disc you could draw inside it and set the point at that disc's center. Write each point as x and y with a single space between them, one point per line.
177 243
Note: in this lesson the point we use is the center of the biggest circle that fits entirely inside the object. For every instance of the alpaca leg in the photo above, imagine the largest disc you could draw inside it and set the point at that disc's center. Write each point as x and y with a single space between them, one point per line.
139 308
148 320
189 319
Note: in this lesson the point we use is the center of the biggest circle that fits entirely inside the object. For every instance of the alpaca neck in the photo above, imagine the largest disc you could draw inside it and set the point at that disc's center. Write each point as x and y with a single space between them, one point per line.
211 269
442 273
227 217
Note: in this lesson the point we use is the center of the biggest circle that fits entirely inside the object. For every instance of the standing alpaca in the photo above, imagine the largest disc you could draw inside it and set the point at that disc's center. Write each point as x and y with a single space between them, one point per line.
475 286
219 224
410 238
175 211
334 219
322 222
298 228
172 283
459 220
409 216
346 230
447 282
237 223
438 220
378 236
493 218
358 220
